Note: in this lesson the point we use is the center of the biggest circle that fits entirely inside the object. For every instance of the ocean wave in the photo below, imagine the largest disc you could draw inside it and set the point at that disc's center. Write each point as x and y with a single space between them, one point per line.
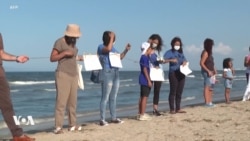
189 98
241 76
36 121
50 90
14 91
237 79
31 82
191 76
3 125
126 80
166 81
128 85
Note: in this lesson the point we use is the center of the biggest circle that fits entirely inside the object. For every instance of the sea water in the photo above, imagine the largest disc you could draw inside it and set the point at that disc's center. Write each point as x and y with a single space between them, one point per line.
33 93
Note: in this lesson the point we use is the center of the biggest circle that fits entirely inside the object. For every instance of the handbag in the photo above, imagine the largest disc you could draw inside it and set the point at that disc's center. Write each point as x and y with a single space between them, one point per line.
80 80
95 76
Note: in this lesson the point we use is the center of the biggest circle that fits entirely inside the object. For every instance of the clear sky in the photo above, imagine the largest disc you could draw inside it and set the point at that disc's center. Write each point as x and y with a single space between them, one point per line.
31 27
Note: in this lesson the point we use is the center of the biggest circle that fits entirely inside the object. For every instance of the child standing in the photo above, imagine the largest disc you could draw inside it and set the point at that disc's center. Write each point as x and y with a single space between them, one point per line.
144 81
228 73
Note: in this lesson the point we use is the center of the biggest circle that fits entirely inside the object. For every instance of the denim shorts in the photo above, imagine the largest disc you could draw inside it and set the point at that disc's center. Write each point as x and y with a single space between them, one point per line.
206 78
228 83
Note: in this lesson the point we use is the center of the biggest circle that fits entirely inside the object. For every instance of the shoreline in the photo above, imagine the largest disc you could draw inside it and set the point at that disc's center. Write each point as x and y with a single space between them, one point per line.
127 114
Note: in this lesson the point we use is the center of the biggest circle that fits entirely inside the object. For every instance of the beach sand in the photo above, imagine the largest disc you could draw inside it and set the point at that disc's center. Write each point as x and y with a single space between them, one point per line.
225 122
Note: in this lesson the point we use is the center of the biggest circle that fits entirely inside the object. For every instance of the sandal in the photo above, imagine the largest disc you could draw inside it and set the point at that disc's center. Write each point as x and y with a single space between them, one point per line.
75 128
180 111
172 112
58 130
156 113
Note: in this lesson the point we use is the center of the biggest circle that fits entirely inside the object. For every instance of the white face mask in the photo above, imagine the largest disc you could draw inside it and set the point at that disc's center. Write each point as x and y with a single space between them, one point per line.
177 47
154 45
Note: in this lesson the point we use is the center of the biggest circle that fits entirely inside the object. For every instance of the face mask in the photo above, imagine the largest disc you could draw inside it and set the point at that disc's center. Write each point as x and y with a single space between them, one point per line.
177 47
113 43
154 45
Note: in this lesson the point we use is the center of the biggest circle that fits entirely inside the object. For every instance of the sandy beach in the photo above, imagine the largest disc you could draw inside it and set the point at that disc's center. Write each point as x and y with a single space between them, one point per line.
225 122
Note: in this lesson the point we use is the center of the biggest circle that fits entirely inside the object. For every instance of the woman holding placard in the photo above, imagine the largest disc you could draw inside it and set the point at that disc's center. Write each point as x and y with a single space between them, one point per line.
175 76
155 58
111 62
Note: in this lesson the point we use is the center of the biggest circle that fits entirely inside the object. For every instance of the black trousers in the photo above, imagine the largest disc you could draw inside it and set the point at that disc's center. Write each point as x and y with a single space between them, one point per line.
176 83
157 88
247 75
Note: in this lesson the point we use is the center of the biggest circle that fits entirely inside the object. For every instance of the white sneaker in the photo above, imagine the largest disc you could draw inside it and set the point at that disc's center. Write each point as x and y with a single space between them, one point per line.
117 121
103 123
144 117
58 130
75 128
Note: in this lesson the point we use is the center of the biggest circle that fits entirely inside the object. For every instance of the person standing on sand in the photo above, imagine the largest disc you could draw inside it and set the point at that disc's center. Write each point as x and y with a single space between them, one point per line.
208 70
65 53
156 43
176 78
228 73
247 65
144 80
5 98
110 77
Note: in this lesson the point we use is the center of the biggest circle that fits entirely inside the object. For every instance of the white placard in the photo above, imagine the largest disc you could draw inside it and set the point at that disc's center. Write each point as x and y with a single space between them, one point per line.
185 69
157 74
91 62
115 60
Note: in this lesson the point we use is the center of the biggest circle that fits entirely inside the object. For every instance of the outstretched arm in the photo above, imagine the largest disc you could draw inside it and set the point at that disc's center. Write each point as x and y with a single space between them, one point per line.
9 57
127 48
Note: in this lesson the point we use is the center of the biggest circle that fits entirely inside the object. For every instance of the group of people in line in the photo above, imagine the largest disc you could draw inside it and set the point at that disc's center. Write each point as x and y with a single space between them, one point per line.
66 78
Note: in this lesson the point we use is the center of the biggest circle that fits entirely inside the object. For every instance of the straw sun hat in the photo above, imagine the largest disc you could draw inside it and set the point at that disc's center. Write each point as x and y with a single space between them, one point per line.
73 30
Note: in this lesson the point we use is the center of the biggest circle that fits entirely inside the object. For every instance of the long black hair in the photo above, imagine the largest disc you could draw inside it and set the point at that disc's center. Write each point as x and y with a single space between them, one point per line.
157 37
174 40
208 44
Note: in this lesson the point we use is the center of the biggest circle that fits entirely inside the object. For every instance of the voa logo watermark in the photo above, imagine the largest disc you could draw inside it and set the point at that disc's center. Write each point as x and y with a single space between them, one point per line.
23 120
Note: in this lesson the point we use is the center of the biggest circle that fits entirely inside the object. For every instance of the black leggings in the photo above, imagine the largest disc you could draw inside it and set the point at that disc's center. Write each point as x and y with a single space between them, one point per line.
157 88
247 74
176 81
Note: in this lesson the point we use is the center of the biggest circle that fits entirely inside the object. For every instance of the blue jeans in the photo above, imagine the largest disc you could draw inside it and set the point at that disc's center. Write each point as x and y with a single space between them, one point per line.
110 87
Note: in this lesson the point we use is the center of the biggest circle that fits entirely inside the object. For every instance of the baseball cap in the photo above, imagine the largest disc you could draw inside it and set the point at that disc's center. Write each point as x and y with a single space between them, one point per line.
144 47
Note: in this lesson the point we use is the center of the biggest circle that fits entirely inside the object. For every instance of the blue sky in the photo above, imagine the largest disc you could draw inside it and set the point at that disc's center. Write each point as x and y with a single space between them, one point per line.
31 27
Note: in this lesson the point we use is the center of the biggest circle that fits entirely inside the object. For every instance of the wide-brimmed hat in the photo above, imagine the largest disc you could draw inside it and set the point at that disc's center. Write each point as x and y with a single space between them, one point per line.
73 30
144 47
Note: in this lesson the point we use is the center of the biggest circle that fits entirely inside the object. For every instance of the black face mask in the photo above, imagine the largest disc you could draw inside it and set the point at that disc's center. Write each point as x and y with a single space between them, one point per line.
70 40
